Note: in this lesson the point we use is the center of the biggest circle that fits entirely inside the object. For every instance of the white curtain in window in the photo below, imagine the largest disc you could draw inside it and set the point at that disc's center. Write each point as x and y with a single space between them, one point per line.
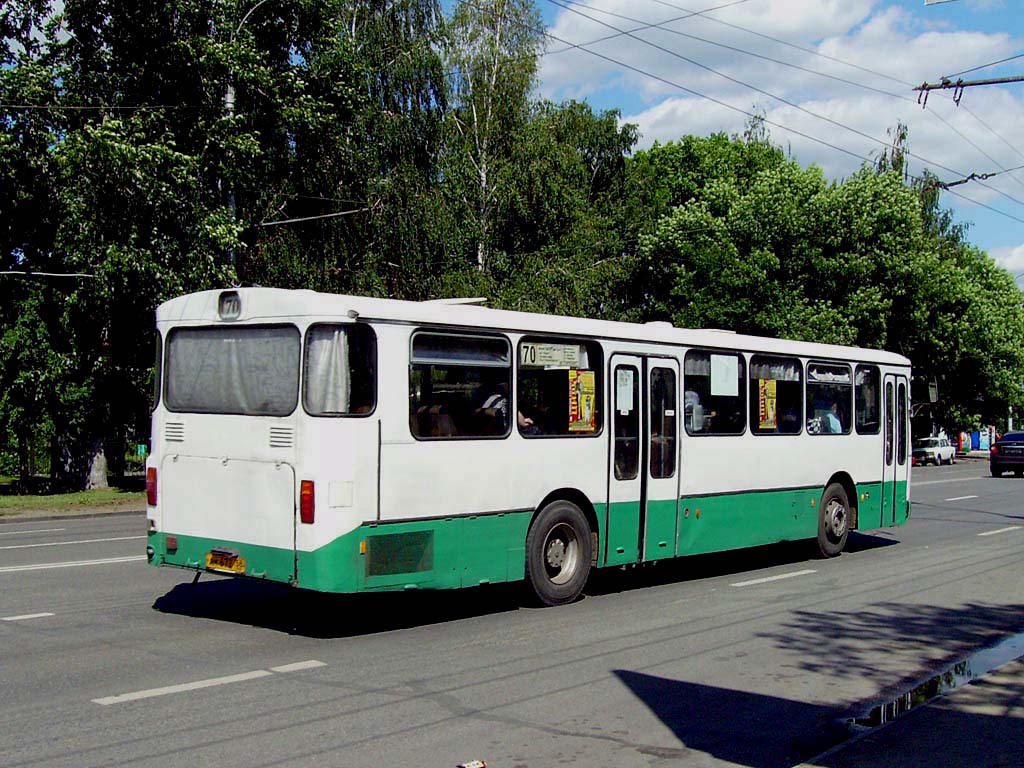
328 379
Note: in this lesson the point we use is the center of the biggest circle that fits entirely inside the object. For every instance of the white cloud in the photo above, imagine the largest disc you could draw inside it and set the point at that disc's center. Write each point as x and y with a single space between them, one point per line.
905 47
1010 258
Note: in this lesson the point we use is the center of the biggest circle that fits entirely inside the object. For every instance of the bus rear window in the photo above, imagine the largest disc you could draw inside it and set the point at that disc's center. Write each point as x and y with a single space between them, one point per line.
245 370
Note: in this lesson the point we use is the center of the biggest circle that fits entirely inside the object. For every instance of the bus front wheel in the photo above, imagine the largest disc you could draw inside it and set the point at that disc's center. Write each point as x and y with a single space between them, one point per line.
558 553
833 520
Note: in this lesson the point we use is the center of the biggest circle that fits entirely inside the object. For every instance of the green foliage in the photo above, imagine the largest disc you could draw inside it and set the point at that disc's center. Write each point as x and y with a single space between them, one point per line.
378 148
754 243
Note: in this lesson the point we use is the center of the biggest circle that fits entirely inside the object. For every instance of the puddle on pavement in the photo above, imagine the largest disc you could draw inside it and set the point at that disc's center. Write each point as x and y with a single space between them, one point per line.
958 675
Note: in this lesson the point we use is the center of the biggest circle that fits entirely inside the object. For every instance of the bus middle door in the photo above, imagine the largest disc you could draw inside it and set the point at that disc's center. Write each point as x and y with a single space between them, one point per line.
625 482
643 460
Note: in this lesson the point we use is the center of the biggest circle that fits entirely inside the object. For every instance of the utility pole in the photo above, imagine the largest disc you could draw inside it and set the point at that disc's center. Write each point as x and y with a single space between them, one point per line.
959 85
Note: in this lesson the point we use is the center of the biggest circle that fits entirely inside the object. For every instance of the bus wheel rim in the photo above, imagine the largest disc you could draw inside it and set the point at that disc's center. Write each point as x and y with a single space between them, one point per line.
835 518
561 553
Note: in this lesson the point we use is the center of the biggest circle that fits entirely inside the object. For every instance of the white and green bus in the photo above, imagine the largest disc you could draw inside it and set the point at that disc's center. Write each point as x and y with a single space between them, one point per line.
352 444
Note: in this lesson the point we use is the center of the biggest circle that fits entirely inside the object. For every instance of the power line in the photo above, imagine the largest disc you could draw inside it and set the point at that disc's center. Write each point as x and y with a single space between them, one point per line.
645 25
660 26
28 273
781 99
821 55
334 215
983 66
773 123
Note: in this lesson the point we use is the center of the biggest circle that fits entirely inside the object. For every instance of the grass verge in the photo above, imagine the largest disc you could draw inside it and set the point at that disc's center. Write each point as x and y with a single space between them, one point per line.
81 502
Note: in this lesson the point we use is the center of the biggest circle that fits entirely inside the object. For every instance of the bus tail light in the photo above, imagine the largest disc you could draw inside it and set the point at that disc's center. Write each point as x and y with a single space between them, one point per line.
151 486
307 505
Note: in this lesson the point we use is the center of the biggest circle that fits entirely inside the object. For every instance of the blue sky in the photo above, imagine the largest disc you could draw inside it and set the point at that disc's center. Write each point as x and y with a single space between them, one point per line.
880 48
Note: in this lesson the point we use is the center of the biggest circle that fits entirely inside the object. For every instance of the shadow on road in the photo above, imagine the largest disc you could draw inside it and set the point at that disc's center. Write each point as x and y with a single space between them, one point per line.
312 614
982 728
301 612
740 728
695 567
851 644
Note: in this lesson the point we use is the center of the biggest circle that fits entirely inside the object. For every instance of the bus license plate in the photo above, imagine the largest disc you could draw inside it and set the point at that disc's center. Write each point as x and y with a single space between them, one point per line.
216 561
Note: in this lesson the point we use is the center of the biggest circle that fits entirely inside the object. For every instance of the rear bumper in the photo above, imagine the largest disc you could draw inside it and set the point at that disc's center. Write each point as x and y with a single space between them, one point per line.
189 553
1006 462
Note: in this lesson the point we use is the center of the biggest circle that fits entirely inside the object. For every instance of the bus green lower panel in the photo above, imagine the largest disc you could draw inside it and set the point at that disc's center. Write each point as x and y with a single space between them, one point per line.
869 506
623 533
660 536
431 554
452 552
732 521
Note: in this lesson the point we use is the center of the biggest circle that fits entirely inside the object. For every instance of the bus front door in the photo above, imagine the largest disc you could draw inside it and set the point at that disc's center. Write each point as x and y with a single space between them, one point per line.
895 465
643 459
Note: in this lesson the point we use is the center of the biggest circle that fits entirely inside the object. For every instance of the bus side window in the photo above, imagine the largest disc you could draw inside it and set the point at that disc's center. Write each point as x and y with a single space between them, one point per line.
559 387
829 399
458 386
868 400
776 395
713 400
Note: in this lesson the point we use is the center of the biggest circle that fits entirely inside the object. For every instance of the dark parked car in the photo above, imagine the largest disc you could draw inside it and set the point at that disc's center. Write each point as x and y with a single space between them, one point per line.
1007 453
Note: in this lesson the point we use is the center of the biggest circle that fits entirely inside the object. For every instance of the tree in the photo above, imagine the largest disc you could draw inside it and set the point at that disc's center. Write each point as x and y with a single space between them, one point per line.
758 245
28 218
491 53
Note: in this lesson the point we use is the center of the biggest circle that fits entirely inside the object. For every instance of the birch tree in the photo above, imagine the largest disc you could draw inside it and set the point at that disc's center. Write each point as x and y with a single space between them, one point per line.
492 60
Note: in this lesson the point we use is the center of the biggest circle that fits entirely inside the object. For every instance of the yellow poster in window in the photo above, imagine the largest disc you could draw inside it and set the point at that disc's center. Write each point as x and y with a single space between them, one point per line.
582 396
769 415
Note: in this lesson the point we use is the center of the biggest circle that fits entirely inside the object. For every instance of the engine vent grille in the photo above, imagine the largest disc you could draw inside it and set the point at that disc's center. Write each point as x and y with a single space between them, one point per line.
174 432
282 437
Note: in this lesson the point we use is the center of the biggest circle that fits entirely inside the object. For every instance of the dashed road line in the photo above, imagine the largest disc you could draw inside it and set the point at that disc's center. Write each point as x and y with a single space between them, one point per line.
208 683
298 666
767 579
71 564
64 543
26 617
1007 529
962 498
32 530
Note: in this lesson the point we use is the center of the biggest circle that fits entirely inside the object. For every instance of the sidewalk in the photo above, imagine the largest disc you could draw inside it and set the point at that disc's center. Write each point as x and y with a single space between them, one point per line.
980 725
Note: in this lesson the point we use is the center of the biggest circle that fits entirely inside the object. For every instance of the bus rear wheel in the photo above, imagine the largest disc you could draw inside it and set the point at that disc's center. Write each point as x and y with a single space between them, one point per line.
558 553
833 520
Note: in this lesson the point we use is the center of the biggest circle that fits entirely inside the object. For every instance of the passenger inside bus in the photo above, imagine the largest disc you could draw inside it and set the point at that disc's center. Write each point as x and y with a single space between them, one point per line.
495 407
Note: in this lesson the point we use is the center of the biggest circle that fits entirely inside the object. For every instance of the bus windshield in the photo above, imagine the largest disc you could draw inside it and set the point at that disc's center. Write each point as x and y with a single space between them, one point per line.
246 370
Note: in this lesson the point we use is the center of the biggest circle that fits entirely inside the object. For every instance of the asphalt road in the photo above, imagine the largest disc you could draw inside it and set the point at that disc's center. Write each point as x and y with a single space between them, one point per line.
753 658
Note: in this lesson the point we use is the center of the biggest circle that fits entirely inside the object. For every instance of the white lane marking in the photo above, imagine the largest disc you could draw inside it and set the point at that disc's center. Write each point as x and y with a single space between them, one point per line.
766 579
73 564
32 530
916 483
26 616
298 666
152 692
63 543
961 498
1001 530
209 683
